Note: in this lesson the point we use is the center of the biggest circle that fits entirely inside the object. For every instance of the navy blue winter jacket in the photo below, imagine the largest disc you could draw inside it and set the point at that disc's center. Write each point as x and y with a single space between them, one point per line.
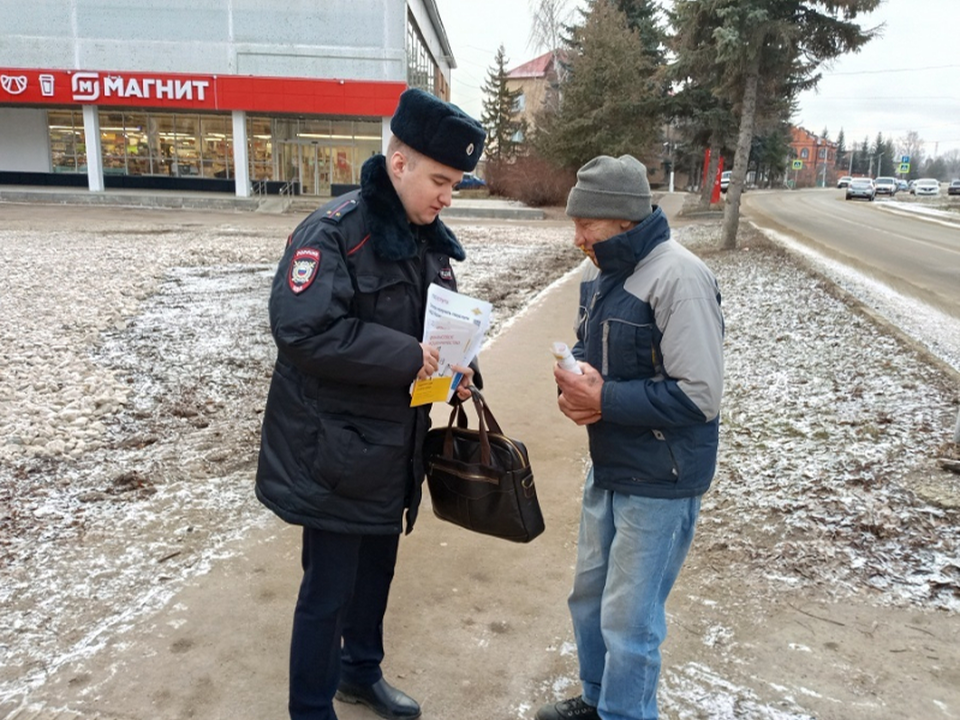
650 323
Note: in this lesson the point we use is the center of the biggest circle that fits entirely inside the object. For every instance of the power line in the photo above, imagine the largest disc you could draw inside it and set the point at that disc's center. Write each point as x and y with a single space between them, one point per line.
893 70
889 97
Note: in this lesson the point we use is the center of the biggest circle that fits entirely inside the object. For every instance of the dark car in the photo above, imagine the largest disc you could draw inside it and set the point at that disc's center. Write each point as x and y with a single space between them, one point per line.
953 188
470 182
861 188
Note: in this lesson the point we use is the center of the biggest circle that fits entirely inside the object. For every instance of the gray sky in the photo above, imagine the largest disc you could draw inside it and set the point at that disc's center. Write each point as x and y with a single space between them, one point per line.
908 79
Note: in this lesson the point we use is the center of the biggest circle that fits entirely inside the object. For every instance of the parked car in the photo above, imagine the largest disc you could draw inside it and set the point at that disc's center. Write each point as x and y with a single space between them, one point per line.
954 187
902 185
926 186
886 185
861 188
470 182
844 181
725 180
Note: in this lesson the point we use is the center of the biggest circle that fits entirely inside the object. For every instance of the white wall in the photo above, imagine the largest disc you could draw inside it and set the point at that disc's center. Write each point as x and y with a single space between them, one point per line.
360 39
24 143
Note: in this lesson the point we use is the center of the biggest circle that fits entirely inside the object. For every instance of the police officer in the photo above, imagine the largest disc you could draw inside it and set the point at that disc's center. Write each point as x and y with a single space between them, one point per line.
340 445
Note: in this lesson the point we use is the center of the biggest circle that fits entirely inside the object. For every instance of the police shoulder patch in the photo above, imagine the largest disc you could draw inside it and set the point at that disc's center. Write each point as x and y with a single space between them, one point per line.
338 212
303 269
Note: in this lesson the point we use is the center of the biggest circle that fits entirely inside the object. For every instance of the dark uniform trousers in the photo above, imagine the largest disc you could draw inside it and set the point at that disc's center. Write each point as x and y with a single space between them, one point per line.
343 597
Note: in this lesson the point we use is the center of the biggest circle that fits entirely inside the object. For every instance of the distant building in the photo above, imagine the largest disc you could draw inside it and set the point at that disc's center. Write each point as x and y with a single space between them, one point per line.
216 95
538 82
818 157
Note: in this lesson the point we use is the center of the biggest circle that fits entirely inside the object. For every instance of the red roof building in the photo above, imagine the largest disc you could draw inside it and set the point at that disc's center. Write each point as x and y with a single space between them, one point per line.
816 157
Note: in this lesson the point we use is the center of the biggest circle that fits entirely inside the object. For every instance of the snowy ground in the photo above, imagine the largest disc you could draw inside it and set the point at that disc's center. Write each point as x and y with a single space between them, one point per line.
131 399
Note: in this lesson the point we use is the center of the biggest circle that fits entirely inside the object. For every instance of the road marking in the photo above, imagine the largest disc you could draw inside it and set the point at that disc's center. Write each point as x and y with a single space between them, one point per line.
929 243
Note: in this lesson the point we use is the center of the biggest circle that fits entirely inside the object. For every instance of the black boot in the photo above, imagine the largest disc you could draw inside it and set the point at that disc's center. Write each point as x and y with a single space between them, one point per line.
381 697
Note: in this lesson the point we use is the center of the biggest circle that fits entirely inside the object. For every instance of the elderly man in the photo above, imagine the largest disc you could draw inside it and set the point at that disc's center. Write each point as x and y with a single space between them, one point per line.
650 347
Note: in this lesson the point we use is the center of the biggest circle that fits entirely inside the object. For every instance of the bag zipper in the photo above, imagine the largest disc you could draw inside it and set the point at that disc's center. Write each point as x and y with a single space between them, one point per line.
466 432
466 476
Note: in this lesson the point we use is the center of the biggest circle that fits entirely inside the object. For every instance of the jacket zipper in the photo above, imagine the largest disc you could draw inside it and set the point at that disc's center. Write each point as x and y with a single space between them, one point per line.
605 365
658 434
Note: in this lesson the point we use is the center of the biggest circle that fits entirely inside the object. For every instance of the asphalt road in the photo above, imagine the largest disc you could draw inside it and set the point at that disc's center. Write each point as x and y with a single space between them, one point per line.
918 256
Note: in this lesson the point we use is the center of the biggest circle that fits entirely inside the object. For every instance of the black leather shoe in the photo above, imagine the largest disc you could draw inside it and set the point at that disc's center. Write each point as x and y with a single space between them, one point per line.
572 709
381 697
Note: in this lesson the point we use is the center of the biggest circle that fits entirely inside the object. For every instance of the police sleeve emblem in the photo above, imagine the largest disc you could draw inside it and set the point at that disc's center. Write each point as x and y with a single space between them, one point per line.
303 269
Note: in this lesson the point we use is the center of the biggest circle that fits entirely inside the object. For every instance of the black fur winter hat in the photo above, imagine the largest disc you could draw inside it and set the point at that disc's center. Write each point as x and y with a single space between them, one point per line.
438 129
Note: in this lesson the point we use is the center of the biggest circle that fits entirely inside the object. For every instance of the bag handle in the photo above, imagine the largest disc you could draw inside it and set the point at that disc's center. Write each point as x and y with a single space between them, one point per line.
485 420
483 410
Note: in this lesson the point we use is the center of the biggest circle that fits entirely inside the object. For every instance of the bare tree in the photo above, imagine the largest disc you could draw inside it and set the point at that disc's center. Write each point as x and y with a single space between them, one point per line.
912 146
550 17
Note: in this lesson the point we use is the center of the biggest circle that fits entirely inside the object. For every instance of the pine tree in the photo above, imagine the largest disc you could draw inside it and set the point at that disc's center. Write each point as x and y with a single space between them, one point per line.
757 42
643 16
504 131
612 102
842 159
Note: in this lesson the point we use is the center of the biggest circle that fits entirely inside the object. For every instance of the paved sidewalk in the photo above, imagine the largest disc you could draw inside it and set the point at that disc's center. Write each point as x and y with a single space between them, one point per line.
475 626
474 208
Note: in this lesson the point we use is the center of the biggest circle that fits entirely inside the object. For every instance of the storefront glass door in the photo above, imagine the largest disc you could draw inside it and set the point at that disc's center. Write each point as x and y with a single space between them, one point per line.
309 164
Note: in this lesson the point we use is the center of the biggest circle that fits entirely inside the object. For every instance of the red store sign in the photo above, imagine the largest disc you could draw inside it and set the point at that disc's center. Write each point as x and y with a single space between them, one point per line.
198 92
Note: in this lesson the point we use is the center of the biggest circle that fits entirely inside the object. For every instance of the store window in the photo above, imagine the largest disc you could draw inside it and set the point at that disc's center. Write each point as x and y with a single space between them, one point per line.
260 148
137 140
314 152
68 151
216 148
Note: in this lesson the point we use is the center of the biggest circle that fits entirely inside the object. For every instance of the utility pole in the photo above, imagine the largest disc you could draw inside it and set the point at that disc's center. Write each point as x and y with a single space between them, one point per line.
816 155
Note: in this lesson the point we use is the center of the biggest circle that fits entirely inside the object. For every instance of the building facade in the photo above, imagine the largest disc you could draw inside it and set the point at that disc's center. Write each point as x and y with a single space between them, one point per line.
816 157
227 95
538 83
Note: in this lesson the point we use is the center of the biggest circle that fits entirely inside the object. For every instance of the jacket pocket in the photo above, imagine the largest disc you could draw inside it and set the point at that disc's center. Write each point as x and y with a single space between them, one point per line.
628 350
361 457
387 300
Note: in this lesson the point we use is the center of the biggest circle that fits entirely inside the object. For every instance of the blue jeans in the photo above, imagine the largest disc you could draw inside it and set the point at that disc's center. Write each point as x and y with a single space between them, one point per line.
629 554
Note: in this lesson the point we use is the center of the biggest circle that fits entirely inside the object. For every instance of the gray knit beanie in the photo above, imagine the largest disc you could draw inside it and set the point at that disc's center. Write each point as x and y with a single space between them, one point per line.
611 189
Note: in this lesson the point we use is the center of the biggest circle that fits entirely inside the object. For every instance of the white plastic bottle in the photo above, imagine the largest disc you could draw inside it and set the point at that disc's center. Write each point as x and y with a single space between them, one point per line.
563 355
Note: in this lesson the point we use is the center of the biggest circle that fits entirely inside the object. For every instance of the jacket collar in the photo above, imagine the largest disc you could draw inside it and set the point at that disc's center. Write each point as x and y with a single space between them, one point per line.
392 235
622 252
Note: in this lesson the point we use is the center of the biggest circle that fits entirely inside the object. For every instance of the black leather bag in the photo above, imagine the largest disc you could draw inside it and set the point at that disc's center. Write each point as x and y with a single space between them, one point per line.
480 479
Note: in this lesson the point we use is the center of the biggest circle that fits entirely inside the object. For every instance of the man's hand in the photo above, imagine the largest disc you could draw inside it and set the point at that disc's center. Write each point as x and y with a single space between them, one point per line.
463 389
580 395
431 361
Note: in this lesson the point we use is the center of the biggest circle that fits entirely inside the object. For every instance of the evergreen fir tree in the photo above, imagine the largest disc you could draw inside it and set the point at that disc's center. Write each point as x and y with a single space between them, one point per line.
504 131
612 96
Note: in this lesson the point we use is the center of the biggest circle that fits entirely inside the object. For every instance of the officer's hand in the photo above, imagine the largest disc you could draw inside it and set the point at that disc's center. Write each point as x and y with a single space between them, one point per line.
580 395
463 389
431 361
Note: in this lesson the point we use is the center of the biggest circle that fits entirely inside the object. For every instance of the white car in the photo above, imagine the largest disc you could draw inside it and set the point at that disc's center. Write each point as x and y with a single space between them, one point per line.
926 186
725 180
886 185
